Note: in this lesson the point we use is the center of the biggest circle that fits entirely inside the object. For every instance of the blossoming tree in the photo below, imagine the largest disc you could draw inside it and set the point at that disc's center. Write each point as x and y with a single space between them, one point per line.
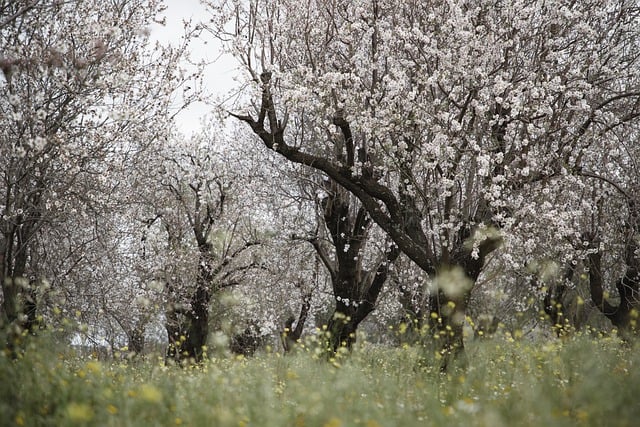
81 93
446 113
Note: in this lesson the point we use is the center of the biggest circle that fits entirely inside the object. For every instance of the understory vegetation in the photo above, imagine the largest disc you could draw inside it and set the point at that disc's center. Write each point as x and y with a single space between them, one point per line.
556 382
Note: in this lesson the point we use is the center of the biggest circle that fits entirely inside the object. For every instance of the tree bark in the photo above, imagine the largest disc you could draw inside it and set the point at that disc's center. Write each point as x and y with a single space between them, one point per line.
136 339
347 316
188 336
624 316
19 306
290 336
554 303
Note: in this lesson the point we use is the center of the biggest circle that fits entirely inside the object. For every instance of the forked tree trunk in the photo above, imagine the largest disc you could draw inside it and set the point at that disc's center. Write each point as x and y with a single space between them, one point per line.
351 310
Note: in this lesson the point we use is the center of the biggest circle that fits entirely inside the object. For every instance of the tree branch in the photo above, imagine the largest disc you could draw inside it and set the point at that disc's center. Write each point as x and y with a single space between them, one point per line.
322 253
390 216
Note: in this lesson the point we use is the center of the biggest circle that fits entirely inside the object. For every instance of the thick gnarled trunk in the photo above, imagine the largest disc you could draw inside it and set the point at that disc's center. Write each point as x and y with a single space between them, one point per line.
624 315
188 328
352 309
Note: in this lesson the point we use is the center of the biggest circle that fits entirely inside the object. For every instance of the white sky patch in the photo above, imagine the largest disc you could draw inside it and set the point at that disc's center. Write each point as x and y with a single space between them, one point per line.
218 74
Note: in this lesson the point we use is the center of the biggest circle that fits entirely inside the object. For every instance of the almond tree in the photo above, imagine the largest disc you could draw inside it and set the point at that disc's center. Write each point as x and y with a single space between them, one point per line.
81 93
611 234
199 240
446 112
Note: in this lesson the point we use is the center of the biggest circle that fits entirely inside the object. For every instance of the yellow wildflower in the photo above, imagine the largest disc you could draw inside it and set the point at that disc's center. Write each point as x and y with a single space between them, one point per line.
333 422
93 366
79 412
150 393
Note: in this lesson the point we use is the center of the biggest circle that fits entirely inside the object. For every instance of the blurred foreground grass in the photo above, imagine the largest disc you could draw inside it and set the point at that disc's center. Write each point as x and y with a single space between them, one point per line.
577 381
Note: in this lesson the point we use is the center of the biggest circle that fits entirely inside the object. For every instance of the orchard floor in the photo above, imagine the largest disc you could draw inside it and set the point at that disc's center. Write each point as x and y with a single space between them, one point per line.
575 381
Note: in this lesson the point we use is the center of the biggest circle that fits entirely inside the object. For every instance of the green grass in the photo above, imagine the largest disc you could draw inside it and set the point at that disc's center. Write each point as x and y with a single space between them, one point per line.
576 381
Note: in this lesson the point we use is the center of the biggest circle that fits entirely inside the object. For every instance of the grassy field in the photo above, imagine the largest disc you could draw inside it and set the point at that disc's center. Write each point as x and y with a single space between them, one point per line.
576 381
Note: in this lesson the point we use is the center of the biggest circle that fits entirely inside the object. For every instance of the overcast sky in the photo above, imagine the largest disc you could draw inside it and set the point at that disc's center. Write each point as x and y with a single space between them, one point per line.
218 76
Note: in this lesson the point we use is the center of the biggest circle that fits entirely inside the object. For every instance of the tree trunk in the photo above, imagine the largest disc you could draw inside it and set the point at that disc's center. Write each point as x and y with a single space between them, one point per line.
290 336
342 328
188 334
136 339
446 326
19 308
624 315
175 335
247 342
554 303
448 303
198 324
188 329
350 311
